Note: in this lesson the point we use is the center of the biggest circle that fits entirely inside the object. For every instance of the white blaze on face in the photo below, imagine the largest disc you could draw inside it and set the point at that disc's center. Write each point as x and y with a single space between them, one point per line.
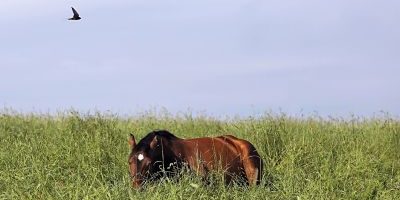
140 157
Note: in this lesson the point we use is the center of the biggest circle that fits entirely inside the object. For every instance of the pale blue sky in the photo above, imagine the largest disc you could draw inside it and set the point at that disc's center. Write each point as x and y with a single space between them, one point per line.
224 57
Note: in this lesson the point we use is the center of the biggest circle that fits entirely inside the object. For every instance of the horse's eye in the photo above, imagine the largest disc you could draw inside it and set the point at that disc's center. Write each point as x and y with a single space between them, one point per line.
140 157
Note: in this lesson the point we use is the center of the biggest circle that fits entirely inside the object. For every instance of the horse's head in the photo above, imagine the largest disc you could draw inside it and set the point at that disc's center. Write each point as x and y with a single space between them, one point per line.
144 159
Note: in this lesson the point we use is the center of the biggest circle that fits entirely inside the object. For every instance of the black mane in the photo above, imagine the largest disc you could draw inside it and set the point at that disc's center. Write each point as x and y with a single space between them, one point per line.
160 133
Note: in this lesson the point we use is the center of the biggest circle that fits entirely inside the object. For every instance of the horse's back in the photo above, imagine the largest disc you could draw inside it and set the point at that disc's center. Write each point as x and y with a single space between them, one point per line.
238 155
212 149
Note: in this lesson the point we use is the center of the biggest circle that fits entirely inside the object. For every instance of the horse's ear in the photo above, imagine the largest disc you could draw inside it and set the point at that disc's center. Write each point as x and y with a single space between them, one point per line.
131 141
154 142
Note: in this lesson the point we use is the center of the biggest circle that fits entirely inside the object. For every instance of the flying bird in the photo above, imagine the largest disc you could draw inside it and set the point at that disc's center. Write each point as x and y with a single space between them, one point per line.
76 15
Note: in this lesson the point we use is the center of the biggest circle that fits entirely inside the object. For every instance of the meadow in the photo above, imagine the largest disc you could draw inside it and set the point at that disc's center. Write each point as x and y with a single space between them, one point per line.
73 155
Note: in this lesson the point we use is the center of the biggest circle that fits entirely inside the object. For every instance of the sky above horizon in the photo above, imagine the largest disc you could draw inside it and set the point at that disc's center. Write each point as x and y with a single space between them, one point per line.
236 57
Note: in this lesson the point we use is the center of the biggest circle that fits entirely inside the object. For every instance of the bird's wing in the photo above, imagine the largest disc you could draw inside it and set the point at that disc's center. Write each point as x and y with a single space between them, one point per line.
76 14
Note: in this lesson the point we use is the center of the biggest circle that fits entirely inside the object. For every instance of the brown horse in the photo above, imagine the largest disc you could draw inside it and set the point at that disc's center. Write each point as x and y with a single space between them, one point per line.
161 151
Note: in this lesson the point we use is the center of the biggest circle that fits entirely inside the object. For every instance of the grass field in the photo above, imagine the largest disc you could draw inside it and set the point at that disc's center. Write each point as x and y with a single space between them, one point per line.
84 156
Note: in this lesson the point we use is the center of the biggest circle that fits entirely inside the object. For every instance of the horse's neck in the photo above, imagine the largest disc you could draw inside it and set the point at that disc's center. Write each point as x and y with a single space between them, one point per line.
175 147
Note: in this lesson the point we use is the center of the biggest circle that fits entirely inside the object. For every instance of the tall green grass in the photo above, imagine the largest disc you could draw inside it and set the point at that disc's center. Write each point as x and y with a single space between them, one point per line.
84 156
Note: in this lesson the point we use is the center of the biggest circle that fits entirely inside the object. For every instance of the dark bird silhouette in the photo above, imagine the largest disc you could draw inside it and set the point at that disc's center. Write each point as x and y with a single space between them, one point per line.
76 15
